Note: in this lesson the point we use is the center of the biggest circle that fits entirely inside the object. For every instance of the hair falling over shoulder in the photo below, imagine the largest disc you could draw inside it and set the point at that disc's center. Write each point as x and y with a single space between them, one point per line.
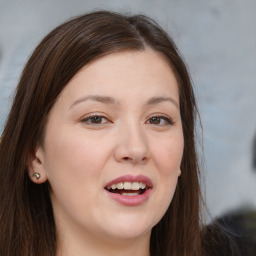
26 215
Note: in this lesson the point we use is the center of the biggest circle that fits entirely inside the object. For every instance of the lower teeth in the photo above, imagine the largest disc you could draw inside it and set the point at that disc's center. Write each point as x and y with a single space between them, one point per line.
129 194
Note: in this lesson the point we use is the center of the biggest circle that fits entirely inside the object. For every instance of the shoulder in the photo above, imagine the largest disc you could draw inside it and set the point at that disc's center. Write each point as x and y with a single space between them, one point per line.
232 235
217 241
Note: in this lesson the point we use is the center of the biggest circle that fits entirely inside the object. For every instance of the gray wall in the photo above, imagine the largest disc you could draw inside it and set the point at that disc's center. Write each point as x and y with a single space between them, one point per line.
217 39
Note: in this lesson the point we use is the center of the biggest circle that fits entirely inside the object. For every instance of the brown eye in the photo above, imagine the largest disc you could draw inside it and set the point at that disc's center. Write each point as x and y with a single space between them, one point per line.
155 120
95 119
160 120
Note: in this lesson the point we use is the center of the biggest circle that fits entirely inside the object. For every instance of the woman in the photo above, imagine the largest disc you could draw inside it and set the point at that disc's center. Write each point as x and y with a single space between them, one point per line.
98 153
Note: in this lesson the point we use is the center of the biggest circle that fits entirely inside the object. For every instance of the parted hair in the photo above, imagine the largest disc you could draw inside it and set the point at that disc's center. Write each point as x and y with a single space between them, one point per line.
27 225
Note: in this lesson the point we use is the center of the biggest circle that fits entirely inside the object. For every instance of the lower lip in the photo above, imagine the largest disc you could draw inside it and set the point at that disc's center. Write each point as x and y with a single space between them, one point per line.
131 200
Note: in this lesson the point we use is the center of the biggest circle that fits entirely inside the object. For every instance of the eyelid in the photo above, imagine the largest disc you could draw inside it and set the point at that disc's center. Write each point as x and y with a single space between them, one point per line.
95 114
167 118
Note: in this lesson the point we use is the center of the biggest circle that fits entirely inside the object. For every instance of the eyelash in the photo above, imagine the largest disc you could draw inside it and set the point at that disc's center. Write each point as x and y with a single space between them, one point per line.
90 119
167 120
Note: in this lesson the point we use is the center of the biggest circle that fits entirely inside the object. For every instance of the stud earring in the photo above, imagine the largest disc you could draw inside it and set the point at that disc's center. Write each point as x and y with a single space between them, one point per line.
36 175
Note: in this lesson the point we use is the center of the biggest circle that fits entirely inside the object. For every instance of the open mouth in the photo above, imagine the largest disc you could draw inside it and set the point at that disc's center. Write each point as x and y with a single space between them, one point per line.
127 188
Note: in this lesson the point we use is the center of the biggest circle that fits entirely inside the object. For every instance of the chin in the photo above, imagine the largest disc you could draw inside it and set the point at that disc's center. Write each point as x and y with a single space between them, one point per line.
129 234
129 227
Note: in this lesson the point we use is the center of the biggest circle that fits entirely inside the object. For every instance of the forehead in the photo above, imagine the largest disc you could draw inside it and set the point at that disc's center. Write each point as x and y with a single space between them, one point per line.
130 73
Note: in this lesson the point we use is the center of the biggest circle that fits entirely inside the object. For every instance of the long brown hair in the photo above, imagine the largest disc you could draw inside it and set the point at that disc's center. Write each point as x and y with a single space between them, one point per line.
26 217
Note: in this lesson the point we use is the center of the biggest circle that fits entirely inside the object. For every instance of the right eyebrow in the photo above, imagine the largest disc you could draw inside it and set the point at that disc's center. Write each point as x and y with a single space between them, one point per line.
98 98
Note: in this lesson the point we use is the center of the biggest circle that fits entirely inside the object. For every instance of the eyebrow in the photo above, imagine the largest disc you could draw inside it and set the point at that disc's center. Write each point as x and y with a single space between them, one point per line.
113 101
157 100
98 98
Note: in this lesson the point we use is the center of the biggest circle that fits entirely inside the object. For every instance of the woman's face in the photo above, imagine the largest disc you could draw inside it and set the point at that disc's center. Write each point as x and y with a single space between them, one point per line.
113 147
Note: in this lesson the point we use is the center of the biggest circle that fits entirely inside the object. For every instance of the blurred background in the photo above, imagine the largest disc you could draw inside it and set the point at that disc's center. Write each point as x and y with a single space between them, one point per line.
218 41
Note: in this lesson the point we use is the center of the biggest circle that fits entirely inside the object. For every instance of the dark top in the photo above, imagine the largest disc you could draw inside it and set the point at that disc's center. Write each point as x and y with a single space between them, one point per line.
231 235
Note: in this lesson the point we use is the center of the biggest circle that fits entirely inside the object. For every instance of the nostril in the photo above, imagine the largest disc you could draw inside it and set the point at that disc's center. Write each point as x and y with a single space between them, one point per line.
135 159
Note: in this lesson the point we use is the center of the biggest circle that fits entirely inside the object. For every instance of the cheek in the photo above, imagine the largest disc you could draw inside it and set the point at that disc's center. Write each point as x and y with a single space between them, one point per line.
74 166
75 155
168 156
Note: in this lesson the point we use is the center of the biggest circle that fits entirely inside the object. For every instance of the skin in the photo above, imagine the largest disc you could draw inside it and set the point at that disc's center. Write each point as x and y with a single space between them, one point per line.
80 156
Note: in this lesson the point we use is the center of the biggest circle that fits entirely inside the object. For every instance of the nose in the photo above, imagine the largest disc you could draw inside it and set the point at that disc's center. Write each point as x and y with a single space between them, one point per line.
132 146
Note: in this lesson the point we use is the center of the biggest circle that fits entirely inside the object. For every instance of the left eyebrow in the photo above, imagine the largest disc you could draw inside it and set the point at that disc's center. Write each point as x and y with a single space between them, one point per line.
157 100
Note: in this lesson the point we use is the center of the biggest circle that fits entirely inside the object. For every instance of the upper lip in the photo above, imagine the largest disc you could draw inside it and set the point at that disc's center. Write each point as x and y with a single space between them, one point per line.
131 178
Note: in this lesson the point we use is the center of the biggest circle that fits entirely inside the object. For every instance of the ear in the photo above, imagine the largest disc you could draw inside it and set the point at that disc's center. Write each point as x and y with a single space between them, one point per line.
179 172
36 166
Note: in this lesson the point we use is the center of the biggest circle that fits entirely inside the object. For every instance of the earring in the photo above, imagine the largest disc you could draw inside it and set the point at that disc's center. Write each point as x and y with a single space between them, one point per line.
36 175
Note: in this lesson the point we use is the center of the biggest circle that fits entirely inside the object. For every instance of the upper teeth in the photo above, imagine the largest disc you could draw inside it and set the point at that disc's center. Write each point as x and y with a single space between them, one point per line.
128 185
